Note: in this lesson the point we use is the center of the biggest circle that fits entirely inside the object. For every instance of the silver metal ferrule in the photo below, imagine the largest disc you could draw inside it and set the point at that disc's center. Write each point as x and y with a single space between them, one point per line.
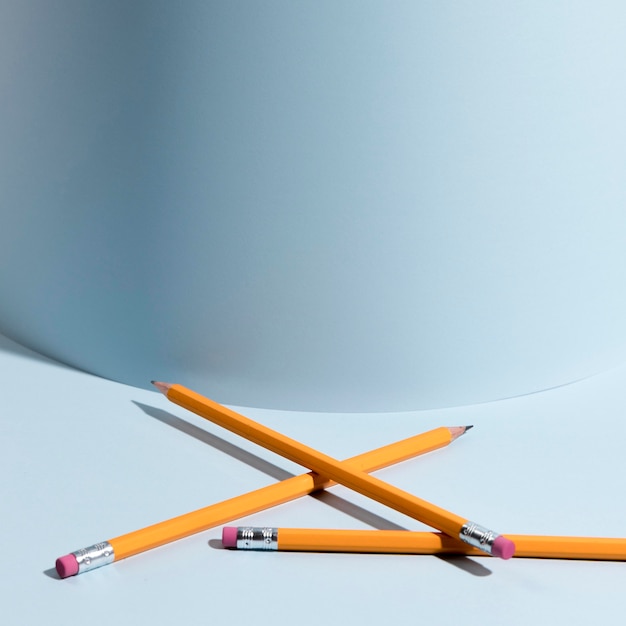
257 538
478 536
94 556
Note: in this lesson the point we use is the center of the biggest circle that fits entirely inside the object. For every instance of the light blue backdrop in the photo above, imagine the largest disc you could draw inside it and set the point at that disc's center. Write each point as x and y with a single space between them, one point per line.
316 205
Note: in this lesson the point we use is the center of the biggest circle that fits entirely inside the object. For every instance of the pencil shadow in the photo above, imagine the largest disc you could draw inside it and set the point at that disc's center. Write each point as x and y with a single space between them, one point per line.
466 564
52 573
215 442
353 510
356 511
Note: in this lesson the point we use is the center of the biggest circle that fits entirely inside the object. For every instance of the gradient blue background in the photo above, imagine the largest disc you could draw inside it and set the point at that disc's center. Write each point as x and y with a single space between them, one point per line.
343 206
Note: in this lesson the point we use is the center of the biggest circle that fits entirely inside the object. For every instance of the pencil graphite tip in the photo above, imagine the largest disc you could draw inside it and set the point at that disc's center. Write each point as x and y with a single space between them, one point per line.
457 431
162 387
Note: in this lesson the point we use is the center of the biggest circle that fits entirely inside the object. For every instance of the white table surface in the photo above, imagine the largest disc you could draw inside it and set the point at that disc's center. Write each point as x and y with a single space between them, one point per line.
85 459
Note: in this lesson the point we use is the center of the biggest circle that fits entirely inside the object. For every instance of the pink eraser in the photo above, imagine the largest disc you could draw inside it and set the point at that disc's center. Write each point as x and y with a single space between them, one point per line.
503 547
67 566
229 536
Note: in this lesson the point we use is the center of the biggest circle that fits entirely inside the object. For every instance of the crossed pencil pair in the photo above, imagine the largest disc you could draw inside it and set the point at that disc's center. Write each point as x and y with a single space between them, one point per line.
457 535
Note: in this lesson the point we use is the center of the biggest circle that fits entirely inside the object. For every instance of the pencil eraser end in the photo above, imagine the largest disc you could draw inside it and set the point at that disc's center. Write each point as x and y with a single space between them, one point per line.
229 537
67 566
503 548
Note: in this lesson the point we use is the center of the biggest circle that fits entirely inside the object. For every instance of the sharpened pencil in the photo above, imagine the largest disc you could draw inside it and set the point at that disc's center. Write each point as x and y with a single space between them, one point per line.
409 542
176 528
421 510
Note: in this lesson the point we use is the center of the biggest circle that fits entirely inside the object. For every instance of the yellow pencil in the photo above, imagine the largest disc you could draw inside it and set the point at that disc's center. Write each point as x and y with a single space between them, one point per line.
407 542
449 523
170 530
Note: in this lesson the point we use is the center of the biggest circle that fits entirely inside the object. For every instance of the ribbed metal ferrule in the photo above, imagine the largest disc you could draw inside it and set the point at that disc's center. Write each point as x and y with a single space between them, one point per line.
478 536
257 538
94 556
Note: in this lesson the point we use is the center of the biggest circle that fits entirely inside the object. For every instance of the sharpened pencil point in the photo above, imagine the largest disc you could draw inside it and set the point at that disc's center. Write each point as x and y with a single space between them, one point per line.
162 387
468 427
457 431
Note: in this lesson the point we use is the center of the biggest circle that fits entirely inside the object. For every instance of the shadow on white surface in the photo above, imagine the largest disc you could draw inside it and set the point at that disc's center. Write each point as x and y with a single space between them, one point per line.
216 442
332 500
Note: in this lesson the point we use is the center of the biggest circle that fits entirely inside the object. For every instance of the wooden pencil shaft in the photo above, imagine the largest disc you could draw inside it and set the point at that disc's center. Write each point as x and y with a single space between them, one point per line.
223 512
407 542
323 464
